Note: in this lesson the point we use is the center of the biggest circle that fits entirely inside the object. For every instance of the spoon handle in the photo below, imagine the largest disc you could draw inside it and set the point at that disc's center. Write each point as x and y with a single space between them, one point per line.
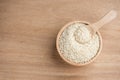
106 19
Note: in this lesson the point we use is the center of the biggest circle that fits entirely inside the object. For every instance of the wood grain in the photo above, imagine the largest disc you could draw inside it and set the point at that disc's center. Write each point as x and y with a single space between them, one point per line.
28 30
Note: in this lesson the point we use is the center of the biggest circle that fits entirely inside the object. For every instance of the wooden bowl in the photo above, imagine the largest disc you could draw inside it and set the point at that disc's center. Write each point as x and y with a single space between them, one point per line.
73 63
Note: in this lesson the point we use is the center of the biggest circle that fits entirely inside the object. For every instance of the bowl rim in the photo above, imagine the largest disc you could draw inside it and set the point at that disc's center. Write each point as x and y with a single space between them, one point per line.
68 61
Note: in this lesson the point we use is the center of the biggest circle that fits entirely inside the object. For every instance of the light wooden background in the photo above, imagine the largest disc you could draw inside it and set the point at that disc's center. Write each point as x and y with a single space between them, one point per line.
28 30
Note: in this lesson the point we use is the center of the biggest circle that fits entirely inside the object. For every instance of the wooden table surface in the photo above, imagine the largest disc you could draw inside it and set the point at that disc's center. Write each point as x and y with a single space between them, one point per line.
28 30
